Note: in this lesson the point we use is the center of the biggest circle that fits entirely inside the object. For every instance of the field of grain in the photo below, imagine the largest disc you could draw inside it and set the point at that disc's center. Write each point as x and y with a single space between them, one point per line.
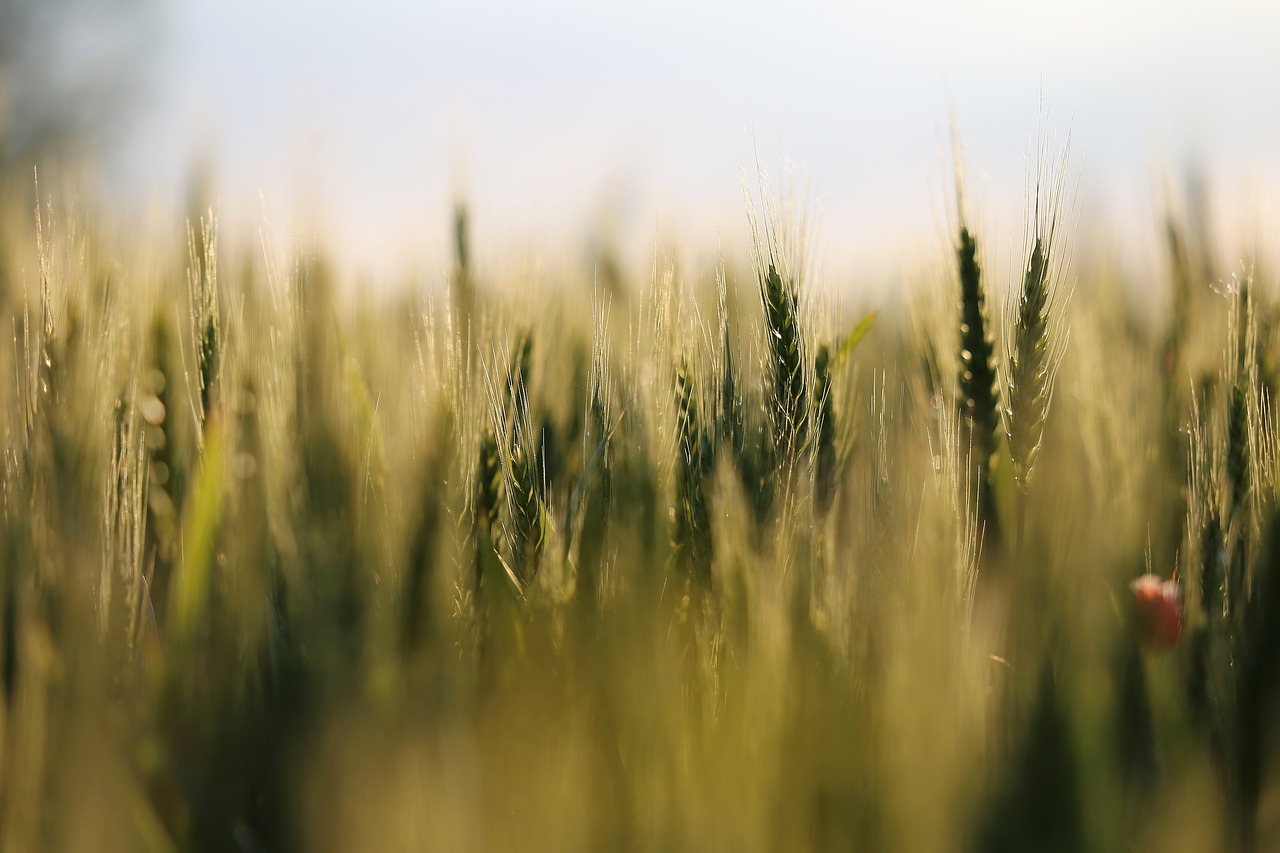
685 557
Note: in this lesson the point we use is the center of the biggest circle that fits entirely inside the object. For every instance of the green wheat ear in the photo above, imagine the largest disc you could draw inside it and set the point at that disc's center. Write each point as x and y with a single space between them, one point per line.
1241 376
1038 335
691 537
203 296
488 494
826 478
1035 344
525 532
979 405
730 425
1029 368
977 353
789 410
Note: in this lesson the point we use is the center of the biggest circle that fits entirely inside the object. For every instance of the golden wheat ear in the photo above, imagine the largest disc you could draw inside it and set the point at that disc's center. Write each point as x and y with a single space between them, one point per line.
1036 323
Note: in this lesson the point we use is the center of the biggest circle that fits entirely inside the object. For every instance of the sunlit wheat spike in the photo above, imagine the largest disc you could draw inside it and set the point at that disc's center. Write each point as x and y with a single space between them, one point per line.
522 483
1030 376
1240 375
525 533
202 286
1038 337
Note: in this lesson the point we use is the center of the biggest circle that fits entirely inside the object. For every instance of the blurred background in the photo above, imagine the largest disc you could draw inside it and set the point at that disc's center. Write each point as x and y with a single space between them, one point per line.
568 123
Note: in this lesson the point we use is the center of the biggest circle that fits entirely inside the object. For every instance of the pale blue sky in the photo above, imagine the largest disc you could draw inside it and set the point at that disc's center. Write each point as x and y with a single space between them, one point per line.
364 117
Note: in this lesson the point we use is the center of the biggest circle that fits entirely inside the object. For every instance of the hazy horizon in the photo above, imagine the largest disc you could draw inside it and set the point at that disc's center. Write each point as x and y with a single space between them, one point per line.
364 125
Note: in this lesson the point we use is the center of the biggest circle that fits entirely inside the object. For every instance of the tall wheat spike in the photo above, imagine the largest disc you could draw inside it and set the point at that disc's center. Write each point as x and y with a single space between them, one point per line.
202 284
730 426
1240 373
789 410
522 482
692 542
523 533
826 464
979 404
1039 333
488 494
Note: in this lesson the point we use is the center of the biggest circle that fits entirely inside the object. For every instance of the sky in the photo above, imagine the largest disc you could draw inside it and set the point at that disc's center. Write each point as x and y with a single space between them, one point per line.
558 121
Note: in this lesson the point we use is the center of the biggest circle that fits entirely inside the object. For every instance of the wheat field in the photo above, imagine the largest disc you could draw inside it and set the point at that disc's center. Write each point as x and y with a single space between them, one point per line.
687 557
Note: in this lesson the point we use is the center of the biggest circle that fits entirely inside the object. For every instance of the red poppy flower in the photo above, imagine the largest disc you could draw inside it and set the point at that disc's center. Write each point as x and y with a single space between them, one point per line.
1158 605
